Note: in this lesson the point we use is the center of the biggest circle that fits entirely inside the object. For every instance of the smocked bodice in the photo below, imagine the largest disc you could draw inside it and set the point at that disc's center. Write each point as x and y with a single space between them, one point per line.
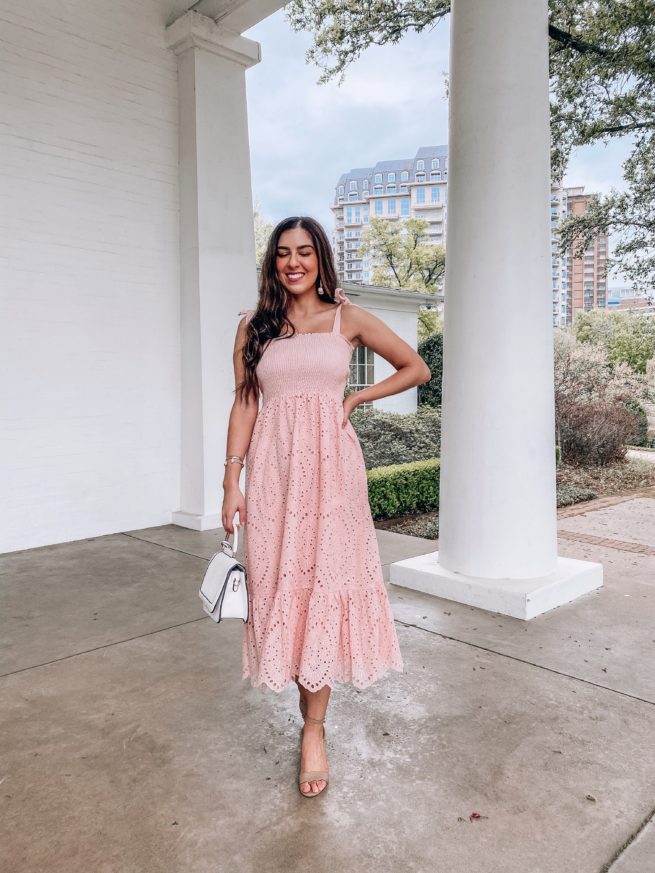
305 363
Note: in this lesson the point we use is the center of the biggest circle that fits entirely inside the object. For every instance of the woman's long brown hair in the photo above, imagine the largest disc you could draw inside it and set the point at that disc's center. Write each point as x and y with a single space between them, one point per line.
270 316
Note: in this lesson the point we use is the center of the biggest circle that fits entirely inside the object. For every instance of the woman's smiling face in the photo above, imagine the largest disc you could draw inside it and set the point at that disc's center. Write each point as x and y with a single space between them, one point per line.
296 260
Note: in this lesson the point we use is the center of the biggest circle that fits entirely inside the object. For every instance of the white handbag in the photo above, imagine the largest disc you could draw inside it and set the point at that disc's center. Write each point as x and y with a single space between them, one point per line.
224 589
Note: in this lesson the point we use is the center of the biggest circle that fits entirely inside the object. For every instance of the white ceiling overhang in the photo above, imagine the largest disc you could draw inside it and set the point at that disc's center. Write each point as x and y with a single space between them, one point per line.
235 15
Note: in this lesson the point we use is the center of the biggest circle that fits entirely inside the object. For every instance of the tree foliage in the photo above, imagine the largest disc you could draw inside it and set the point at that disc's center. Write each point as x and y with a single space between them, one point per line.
429 322
627 336
402 255
602 68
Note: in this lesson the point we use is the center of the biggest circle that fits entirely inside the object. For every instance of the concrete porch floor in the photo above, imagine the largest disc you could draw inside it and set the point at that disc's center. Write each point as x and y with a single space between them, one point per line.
130 744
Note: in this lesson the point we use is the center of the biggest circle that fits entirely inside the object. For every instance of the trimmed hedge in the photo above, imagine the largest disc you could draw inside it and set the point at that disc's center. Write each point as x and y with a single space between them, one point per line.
403 489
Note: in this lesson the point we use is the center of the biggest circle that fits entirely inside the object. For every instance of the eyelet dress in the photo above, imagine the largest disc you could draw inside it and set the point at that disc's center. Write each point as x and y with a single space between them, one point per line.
319 608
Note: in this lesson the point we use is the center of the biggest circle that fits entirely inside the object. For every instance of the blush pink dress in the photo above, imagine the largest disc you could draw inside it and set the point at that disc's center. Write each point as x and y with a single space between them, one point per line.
319 608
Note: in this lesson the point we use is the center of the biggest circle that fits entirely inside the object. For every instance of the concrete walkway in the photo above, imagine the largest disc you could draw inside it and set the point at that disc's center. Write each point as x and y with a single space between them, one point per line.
130 744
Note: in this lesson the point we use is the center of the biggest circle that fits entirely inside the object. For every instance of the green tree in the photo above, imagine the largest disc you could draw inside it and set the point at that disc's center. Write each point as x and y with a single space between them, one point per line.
627 336
402 256
429 322
602 66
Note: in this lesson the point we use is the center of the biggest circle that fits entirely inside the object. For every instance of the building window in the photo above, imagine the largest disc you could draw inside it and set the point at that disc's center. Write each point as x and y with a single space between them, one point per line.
378 207
362 370
435 163
340 189
378 189
420 165
391 177
358 216
349 215
420 195
365 184
391 189
404 205
434 195
403 189
353 186
378 178
420 177
404 176
352 195
391 206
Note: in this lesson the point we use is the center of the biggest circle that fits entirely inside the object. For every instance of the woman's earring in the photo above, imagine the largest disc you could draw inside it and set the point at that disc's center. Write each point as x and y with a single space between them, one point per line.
319 289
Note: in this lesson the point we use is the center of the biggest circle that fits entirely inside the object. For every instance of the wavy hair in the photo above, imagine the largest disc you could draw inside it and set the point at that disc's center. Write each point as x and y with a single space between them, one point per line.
270 316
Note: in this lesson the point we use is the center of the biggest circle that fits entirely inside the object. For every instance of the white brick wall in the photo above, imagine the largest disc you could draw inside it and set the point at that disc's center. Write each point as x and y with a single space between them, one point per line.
89 320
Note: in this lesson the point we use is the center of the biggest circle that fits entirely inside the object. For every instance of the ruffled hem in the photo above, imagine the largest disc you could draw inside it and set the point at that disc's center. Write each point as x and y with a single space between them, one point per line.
343 636
262 682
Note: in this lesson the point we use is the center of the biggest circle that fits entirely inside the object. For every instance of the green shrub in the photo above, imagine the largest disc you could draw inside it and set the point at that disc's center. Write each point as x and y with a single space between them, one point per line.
402 489
392 437
595 433
567 495
431 350
640 433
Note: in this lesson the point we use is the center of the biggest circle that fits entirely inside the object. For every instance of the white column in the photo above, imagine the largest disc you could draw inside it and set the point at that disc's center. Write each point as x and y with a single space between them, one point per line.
217 247
497 519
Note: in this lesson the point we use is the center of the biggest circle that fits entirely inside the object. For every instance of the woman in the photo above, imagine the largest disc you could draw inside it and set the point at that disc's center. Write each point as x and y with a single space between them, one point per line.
319 609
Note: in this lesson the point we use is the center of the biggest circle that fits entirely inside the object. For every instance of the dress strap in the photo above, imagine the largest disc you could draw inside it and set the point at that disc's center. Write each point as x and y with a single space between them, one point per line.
336 325
248 313
341 297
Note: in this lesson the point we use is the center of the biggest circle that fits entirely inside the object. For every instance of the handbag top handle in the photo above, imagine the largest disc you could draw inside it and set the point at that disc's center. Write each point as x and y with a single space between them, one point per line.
226 542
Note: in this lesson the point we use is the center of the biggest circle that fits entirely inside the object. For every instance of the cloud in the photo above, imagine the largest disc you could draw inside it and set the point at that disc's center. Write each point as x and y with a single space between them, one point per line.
303 136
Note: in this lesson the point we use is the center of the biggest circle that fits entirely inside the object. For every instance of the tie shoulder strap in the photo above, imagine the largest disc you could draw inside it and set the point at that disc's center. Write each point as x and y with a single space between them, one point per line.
248 313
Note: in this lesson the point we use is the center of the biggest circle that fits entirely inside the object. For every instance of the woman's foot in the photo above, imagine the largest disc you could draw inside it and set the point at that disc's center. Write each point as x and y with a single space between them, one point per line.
313 755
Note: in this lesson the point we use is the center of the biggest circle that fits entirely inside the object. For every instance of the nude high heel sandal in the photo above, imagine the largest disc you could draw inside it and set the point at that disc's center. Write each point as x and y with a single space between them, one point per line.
313 775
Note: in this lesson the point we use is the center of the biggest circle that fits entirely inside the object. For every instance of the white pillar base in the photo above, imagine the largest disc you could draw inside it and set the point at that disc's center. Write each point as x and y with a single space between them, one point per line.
197 522
519 598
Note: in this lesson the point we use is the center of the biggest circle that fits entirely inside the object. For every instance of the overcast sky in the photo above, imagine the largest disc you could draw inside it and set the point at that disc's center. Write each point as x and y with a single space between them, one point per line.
304 135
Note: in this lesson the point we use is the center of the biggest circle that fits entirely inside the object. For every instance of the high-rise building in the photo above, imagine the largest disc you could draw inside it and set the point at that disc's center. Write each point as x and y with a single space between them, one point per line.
412 187
418 188
579 284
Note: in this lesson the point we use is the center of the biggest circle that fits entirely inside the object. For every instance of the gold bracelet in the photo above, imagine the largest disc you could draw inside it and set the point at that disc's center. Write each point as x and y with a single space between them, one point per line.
232 459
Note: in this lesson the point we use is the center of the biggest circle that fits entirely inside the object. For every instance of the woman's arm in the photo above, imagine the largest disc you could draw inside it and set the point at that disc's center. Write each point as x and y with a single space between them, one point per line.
372 332
243 416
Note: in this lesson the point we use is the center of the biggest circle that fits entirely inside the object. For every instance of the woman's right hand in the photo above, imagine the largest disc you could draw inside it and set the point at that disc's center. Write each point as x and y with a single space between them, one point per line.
233 502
